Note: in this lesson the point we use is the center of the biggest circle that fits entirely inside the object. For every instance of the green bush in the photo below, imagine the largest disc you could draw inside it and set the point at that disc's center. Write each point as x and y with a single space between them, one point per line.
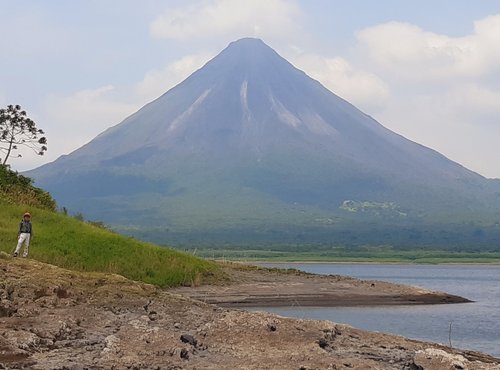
19 189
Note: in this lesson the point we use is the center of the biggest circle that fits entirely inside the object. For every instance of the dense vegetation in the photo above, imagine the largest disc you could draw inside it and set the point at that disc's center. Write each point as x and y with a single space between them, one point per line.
18 189
73 244
341 254
69 242
345 240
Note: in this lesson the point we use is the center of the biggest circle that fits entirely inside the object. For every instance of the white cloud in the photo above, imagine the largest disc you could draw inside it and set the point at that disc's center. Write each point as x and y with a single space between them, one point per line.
412 53
474 103
206 19
364 89
157 82
70 121
444 90
451 123
460 121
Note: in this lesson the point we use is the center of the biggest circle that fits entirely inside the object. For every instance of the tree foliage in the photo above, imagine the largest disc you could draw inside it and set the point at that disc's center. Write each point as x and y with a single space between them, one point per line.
16 131
19 189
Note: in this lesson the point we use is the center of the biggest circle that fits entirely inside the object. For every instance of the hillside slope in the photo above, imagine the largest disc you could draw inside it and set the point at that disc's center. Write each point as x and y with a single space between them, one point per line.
71 243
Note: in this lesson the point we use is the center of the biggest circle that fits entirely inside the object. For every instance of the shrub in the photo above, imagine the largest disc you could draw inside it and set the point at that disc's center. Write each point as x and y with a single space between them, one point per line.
19 189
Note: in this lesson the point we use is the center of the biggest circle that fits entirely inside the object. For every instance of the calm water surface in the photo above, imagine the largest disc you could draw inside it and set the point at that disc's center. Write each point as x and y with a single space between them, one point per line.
475 325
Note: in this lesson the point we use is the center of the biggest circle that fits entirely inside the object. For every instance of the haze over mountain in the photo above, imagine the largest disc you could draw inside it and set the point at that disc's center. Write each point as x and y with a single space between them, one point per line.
251 148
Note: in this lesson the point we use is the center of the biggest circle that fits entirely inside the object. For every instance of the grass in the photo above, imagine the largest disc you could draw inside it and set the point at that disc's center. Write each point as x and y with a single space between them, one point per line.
69 243
363 256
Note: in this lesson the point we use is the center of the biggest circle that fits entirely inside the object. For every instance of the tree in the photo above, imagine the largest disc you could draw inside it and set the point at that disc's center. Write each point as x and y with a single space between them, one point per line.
17 130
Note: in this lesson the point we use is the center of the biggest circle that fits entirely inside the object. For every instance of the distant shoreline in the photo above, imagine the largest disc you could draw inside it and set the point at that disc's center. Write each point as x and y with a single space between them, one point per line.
427 257
312 262
368 262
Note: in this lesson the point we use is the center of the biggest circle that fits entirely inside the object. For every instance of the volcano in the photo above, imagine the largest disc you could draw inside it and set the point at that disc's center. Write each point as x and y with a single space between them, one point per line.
249 148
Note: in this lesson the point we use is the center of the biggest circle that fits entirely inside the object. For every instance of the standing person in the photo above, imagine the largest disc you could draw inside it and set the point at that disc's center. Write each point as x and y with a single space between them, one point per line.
24 235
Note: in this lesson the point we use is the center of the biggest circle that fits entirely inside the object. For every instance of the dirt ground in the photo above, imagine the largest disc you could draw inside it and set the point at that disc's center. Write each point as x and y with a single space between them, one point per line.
249 286
51 318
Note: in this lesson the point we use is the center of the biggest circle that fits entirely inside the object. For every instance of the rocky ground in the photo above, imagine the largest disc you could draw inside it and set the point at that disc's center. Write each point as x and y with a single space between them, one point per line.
51 318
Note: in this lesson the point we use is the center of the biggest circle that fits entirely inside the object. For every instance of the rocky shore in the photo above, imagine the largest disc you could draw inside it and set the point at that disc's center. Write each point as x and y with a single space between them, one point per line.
51 318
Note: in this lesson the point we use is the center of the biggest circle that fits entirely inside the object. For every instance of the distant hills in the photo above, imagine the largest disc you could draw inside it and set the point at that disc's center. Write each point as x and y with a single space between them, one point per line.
249 150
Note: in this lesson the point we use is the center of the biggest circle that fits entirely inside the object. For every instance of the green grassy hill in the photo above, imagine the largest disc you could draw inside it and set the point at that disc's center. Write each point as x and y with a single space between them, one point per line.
67 242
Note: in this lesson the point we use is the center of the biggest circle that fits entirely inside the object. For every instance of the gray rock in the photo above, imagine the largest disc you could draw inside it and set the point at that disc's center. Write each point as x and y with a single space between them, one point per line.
187 338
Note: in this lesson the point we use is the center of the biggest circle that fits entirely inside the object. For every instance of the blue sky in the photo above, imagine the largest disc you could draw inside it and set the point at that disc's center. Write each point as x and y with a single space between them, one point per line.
429 70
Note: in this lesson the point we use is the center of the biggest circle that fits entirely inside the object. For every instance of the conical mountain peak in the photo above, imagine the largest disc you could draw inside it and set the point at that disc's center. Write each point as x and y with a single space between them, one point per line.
249 47
249 142
248 42
246 54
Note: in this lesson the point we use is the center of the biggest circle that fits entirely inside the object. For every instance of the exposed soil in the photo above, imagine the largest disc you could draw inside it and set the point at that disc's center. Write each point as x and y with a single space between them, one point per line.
51 318
250 286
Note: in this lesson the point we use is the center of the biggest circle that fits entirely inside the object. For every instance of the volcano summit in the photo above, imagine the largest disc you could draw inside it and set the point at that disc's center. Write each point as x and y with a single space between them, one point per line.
249 149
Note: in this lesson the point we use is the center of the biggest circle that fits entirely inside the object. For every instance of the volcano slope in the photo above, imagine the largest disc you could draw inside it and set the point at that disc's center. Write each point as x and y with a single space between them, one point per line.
51 318
249 149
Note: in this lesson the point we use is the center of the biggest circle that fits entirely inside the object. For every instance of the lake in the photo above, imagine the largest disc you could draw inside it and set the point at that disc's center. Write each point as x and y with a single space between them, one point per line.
474 326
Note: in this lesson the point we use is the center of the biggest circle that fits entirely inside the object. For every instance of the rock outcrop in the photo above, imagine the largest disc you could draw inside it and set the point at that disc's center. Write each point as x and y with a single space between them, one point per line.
51 318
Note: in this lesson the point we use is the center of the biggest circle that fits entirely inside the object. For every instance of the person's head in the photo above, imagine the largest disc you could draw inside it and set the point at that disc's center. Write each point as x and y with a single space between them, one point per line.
27 216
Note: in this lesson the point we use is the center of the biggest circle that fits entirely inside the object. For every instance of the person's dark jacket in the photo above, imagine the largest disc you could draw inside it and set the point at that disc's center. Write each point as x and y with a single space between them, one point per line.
25 227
